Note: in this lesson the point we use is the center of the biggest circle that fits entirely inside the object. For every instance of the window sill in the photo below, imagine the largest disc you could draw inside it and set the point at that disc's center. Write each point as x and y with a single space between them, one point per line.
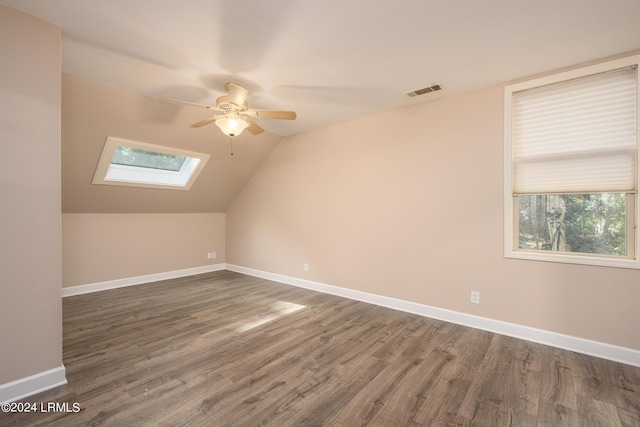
594 260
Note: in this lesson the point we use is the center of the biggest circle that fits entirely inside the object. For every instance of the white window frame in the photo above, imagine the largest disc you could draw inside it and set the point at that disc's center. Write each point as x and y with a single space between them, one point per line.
510 212
134 176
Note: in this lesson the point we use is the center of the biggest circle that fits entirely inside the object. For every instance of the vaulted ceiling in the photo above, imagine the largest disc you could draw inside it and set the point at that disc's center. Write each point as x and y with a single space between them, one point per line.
329 60
92 111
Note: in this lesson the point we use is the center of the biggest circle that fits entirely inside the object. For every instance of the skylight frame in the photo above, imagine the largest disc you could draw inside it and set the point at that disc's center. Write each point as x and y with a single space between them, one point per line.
108 173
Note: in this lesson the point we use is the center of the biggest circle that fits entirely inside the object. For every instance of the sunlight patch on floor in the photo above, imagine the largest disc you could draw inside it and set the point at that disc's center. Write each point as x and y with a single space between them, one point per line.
279 309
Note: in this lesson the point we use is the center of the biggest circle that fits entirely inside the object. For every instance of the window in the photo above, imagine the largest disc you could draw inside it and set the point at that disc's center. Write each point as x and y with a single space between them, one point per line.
137 164
571 166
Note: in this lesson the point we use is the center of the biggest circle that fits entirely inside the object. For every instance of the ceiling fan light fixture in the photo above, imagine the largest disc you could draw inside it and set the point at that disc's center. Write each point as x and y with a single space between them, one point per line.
232 126
235 112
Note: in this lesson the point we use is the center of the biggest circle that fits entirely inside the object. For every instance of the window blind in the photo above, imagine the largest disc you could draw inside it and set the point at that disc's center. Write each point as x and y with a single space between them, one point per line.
577 136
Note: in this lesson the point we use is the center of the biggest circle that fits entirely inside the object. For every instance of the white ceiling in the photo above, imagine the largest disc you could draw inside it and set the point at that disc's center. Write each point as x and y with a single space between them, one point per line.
329 60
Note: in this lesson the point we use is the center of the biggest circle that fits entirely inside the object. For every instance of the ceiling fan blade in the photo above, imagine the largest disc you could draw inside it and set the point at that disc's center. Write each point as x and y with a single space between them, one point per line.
205 122
271 114
237 94
193 104
254 128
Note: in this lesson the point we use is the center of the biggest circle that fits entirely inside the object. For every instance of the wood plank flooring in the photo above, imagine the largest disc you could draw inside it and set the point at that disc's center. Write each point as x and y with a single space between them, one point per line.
225 349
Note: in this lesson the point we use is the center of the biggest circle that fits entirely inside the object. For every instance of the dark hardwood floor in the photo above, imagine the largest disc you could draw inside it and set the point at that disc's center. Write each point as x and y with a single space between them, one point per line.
224 349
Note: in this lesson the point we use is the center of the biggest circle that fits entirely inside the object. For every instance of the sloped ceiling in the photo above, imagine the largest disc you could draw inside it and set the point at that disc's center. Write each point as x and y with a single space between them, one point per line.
329 60
92 111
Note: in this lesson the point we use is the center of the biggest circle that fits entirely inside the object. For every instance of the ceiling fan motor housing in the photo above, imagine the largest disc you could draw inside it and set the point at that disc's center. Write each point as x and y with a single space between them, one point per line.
235 117
224 104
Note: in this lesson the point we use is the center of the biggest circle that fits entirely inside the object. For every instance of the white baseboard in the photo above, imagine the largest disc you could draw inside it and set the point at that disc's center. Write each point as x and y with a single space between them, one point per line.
25 387
580 345
129 281
593 348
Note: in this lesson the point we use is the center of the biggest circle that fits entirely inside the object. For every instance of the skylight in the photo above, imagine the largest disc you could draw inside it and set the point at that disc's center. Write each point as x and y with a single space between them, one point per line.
127 156
138 164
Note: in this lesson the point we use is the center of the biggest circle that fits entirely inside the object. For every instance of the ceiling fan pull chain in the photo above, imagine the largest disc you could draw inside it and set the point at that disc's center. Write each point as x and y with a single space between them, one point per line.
231 144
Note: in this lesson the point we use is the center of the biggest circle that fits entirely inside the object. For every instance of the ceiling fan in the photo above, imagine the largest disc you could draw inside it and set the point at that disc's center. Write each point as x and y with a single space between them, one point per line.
235 116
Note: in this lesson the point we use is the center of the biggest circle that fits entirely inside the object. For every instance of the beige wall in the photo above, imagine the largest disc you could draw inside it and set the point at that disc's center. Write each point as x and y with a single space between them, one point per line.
103 247
30 250
408 204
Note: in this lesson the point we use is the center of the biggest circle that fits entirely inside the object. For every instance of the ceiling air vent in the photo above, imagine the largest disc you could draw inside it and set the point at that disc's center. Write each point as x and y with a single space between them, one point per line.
428 89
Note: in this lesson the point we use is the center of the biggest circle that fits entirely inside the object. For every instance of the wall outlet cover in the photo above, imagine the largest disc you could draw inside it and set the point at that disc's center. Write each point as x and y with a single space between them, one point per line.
475 297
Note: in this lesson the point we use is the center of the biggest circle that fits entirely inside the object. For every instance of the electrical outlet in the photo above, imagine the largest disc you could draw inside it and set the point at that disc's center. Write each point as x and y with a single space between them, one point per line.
213 254
475 297
305 267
